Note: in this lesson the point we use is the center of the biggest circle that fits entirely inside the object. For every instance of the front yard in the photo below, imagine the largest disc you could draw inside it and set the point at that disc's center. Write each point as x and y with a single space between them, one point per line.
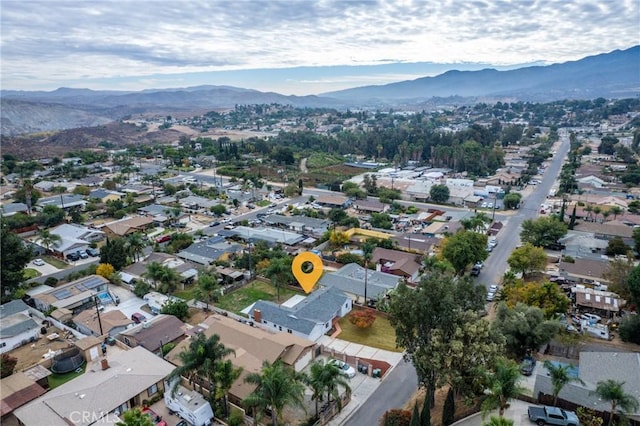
380 335
239 299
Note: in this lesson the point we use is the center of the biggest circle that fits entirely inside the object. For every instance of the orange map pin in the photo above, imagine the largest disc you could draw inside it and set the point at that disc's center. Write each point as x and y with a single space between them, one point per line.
307 279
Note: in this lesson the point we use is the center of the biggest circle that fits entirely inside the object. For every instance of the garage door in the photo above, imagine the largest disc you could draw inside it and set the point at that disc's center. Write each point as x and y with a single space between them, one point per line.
304 361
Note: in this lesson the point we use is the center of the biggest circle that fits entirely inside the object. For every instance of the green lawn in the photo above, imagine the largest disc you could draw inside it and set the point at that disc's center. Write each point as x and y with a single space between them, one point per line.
55 262
380 335
263 203
56 380
30 273
184 294
245 296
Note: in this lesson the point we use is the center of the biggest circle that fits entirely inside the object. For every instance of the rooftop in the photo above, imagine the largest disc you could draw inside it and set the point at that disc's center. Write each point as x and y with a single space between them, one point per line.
350 279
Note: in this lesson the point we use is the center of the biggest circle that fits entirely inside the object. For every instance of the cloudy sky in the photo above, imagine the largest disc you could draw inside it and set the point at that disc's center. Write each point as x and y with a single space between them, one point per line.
296 46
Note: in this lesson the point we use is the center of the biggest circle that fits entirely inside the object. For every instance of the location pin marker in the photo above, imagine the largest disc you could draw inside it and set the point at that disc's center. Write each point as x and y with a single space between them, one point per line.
307 279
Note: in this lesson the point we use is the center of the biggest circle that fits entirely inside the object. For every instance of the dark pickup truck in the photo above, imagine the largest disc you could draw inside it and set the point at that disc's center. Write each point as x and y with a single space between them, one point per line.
553 416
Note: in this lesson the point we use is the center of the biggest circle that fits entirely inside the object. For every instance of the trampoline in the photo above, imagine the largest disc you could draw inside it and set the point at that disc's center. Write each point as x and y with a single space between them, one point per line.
68 361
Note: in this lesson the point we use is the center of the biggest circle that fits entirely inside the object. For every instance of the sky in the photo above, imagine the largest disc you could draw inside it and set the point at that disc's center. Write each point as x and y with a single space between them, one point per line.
294 47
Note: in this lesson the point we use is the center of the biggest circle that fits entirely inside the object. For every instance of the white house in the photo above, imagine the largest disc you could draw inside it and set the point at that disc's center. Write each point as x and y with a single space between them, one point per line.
17 328
309 317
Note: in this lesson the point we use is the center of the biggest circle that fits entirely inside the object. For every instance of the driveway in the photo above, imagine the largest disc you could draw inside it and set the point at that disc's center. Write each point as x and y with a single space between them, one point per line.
45 269
129 302
517 412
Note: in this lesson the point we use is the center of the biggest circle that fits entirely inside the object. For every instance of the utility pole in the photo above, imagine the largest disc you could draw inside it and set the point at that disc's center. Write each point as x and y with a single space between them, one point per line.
95 300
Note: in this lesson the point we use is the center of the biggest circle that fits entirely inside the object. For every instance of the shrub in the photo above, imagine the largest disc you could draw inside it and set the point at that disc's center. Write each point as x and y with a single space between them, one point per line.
362 318
51 281
630 329
7 364
105 270
346 258
397 417
236 419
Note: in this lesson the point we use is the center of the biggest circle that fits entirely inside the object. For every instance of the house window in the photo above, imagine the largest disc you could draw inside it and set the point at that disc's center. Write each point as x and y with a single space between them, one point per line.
152 390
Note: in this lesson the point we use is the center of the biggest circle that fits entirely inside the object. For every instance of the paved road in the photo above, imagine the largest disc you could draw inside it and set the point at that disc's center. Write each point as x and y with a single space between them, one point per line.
394 391
64 272
509 236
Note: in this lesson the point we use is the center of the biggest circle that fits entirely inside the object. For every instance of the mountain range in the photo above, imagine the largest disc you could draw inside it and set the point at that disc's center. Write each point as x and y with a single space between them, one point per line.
610 75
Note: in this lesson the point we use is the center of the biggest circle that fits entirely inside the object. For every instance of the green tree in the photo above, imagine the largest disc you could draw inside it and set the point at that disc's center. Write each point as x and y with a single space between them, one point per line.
439 194
338 238
464 248
202 363
279 272
141 288
136 245
434 306
277 387
135 417
325 377
48 240
546 296
218 209
449 409
415 415
617 273
524 328
164 278
621 402
208 288
51 216
629 329
177 308
512 200
617 246
634 285
543 231
560 376
477 223
527 259
114 252
504 386
381 220
7 365
425 414
12 266
337 215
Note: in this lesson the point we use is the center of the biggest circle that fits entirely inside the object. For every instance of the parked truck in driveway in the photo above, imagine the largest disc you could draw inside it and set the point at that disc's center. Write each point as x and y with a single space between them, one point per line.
553 416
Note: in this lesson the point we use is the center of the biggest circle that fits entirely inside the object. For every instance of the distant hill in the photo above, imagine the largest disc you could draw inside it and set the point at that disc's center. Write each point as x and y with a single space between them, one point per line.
610 75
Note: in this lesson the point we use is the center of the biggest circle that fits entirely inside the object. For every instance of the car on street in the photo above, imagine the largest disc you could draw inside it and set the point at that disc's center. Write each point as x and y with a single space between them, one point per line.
479 265
475 271
214 223
493 288
344 367
38 262
491 296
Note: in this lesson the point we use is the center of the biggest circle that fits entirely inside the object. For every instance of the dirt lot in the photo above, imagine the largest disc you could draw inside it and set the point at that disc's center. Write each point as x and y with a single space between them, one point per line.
31 354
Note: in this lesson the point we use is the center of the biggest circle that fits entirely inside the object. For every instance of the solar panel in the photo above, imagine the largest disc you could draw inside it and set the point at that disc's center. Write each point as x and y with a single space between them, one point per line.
80 287
62 294
93 282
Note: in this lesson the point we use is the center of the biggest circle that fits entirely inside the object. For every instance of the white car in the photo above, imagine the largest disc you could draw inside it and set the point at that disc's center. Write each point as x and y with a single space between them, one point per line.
493 288
346 368
491 296
38 262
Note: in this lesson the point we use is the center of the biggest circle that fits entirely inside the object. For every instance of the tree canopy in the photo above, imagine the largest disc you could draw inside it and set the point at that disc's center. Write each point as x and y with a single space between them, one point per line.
439 193
464 248
15 256
543 231
527 259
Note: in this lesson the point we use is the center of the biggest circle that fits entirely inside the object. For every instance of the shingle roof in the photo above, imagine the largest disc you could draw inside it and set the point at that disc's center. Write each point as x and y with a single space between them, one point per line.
163 328
350 279
12 307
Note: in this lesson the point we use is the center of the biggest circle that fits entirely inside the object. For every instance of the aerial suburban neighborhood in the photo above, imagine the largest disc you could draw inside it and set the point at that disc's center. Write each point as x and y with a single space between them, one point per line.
160 277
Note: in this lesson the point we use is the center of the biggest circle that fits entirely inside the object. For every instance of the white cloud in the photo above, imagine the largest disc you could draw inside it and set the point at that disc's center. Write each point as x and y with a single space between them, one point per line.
48 44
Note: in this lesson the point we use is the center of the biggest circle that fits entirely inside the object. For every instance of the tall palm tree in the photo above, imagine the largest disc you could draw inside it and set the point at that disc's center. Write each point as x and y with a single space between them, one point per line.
476 223
616 210
277 387
504 386
203 361
225 375
208 288
589 209
560 377
48 240
136 245
613 391
166 277
326 377
279 272
596 211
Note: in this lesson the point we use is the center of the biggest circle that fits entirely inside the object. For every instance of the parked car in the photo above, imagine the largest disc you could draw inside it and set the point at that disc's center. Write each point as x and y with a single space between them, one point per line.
214 223
493 288
528 365
93 252
138 318
73 257
491 296
83 254
553 416
38 262
163 238
475 271
479 265
346 368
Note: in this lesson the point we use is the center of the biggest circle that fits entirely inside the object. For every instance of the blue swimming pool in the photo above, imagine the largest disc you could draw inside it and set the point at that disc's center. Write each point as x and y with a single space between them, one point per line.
105 298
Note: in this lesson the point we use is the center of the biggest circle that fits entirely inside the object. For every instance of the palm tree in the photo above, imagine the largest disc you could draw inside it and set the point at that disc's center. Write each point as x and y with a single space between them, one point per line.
277 387
588 208
498 421
560 377
153 272
616 210
208 288
226 374
326 377
504 386
167 278
135 417
48 240
605 215
136 245
613 391
596 211
279 272
476 223
203 361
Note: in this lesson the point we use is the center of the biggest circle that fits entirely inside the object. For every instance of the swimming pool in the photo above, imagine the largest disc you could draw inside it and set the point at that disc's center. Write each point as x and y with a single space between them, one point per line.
105 297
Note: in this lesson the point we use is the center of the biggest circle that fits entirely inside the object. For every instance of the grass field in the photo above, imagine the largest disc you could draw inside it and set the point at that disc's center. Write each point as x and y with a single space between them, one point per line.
184 294
245 296
56 380
55 262
380 335
30 273
263 203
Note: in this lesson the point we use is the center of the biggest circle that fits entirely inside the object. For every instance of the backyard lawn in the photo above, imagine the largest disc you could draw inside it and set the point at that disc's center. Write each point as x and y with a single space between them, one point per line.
55 261
380 335
30 273
56 380
239 299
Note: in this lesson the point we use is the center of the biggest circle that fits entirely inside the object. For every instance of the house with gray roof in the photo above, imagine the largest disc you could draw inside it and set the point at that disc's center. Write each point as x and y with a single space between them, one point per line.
17 328
13 208
351 279
309 317
301 224
593 368
64 201
269 235
209 251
